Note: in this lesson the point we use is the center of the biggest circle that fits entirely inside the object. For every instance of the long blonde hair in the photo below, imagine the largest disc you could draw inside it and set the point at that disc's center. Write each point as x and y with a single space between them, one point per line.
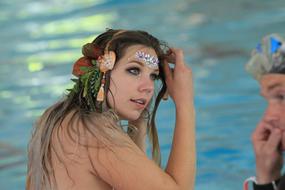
40 170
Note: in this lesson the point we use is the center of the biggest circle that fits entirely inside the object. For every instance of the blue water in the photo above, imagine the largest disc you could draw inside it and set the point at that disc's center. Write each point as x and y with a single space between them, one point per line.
41 39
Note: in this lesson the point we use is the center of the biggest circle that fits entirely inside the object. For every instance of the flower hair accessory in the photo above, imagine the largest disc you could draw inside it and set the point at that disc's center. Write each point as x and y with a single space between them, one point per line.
267 57
90 52
91 72
80 66
106 63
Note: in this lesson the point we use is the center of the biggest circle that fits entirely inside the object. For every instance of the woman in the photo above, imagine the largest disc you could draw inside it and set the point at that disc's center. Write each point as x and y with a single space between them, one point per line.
78 143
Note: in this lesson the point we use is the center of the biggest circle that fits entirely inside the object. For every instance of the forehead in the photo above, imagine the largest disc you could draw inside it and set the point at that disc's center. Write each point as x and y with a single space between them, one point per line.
271 81
131 51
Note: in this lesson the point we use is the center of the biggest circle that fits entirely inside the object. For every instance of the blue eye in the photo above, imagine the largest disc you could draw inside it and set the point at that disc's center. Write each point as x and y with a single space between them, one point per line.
133 70
154 76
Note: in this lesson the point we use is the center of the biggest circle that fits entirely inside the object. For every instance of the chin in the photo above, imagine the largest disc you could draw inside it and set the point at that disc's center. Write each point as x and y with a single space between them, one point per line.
130 116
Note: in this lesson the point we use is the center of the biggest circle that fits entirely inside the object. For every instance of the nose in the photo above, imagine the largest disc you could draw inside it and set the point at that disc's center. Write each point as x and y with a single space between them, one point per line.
146 85
272 114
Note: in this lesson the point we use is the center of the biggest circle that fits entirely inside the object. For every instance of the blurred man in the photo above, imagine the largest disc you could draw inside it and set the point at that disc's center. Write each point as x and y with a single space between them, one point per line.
267 65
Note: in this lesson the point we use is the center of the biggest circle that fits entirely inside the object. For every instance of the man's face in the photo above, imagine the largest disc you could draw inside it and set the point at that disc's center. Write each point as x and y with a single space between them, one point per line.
273 90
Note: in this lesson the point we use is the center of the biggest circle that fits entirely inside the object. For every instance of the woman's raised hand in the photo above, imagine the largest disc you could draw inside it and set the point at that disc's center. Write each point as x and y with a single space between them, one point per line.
178 80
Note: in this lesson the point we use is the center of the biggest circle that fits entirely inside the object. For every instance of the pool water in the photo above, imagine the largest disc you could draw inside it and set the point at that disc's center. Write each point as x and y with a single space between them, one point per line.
41 39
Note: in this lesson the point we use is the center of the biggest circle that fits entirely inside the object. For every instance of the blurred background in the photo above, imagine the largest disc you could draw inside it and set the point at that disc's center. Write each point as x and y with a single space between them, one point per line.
40 40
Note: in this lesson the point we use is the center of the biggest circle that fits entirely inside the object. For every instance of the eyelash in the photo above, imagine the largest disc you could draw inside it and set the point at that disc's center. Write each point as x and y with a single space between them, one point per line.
136 71
155 77
280 97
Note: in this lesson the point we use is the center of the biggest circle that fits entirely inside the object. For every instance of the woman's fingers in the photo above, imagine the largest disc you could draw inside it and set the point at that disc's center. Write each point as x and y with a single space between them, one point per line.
175 56
178 56
167 71
170 57
168 78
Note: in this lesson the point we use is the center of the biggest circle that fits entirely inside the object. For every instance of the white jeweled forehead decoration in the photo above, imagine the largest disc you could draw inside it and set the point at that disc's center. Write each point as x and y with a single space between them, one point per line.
150 61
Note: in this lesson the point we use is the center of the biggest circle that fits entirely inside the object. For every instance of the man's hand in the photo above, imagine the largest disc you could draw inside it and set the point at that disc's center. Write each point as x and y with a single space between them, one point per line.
267 143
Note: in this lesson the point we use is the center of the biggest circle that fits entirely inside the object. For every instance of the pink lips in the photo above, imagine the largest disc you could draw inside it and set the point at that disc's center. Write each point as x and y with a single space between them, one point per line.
140 103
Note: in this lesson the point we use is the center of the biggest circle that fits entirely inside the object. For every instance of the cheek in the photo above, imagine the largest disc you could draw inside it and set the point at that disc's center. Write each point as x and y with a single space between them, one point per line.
273 108
281 109
116 93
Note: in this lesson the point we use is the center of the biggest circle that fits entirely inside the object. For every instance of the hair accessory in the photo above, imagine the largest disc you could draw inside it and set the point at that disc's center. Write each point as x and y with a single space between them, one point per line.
92 51
106 63
91 72
81 66
267 57
150 61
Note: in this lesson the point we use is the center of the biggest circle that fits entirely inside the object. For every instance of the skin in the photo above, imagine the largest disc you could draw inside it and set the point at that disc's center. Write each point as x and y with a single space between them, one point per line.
127 167
120 96
269 136
131 80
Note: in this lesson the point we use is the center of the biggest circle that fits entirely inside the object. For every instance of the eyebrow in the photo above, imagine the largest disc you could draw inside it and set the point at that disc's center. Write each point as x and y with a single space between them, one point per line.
140 63
271 87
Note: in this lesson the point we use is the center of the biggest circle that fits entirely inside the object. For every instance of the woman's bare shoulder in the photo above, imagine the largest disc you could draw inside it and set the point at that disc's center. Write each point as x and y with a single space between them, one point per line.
76 135
110 155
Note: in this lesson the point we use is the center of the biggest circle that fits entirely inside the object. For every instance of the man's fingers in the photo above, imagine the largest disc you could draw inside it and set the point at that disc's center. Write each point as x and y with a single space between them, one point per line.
260 136
274 140
261 132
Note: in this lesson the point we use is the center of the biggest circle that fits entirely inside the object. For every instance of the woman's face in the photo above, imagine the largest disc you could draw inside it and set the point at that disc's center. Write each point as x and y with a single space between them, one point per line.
132 82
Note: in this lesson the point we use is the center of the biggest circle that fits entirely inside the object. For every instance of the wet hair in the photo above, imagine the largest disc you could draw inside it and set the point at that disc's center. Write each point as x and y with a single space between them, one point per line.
96 123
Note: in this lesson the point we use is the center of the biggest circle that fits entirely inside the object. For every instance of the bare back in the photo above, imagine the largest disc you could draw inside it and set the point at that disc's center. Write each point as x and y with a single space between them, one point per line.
71 163
100 163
